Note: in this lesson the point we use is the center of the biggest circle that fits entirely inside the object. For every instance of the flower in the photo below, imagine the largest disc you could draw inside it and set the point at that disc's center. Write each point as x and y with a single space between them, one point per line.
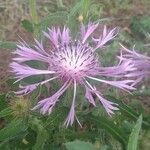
140 62
75 63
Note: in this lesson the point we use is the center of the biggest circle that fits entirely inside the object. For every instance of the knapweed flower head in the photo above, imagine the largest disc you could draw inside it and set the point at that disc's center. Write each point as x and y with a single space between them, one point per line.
20 106
74 62
140 62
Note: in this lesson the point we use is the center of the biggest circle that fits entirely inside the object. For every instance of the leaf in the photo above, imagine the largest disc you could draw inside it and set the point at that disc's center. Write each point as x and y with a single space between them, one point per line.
146 92
12 129
105 147
3 103
5 112
35 95
33 11
129 112
140 26
57 116
80 145
4 145
85 7
72 22
133 138
41 138
57 18
8 45
27 25
42 134
109 126
60 4
75 10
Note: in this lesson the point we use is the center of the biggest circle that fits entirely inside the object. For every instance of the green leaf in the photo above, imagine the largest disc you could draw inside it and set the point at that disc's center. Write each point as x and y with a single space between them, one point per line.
8 45
41 138
146 92
60 4
105 147
12 129
35 95
133 138
75 10
3 102
33 11
125 109
140 26
57 116
27 25
42 134
129 112
85 7
4 145
57 18
5 112
80 145
109 126
72 22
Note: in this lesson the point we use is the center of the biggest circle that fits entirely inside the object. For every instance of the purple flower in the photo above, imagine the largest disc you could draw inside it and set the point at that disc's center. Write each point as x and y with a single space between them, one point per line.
139 61
75 63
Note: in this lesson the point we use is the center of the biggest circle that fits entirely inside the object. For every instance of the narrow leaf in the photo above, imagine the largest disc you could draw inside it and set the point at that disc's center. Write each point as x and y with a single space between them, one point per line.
133 138
42 134
5 112
80 145
57 18
8 45
3 103
129 112
109 126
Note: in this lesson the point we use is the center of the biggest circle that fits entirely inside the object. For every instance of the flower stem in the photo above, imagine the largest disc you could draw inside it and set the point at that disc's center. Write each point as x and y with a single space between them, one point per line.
33 11
60 4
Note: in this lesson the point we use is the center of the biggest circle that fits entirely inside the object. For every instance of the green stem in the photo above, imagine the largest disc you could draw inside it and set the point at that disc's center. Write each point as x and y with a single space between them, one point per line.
33 12
60 4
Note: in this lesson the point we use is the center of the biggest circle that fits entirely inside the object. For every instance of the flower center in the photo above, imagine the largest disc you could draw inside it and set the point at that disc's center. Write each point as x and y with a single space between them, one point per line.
74 61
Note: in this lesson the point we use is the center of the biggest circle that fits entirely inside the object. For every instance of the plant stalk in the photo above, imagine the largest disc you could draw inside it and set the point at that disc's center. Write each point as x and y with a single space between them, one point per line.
33 11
